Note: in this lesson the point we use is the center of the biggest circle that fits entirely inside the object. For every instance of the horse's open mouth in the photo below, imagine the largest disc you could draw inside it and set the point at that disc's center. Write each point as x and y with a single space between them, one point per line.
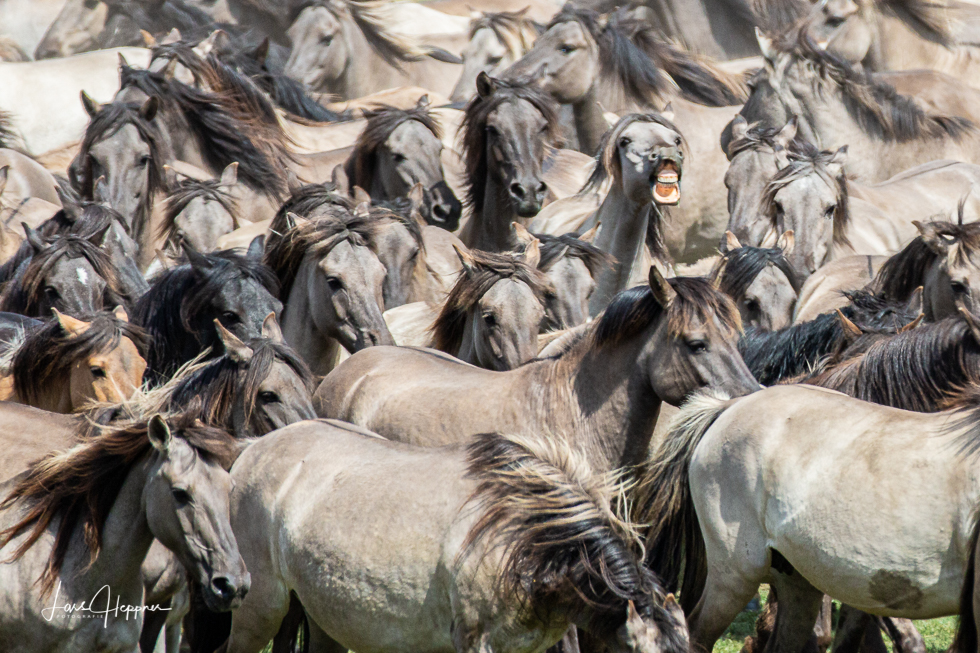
667 187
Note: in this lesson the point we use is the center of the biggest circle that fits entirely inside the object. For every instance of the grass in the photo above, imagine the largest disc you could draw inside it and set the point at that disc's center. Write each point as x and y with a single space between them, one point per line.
938 633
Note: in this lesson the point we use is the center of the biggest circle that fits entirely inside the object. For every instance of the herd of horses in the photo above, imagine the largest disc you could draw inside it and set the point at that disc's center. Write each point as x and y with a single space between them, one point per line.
353 325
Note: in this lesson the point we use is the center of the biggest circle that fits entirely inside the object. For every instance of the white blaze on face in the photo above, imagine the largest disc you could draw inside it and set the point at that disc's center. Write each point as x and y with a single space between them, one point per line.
82 276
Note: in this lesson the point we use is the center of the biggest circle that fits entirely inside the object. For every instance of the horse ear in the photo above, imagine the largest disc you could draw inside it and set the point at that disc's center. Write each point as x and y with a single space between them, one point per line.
72 326
122 60
33 237
718 274
235 349
158 433
929 232
363 209
674 609
149 109
466 259
98 238
423 102
914 323
229 176
532 253
262 52
851 330
293 182
416 196
485 84
100 191
120 313
293 220
340 180
786 135
668 112
170 70
731 242
765 45
270 328
173 36
148 39
662 292
361 196
836 164
589 236
522 234
91 106
914 305
971 320
256 248
786 242
199 262
740 127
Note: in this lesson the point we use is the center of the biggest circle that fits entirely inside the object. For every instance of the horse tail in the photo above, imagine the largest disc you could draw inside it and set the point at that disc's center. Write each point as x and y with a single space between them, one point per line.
965 640
664 501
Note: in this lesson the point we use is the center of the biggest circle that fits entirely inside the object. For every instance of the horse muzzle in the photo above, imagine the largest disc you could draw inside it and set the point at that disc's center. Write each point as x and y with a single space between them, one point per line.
665 179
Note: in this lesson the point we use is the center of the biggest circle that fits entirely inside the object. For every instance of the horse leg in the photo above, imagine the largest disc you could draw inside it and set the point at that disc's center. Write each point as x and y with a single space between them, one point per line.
857 631
904 635
799 605
320 642
172 637
257 621
764 625
153 622
717 608
824 630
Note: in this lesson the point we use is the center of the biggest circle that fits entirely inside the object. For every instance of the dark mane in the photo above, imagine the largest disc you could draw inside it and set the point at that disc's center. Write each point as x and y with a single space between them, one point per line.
926 369
876 106
632 52
488 269
8 137
796 350
758 137
318 236
179 294
224 127
186 191
806 160
473 132
225 385
161 17
109 120
381 122
308 201
23 293
555 248
79 486
743 265
904 272
49 352
635 309
563 539
512 28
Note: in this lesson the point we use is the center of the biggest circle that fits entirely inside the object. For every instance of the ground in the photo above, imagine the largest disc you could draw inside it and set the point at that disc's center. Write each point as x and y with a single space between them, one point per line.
938 633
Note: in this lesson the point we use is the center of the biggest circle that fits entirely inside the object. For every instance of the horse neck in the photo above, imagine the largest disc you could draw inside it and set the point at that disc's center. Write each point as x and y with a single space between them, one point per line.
56 397
367 72
126 539
623 234
493 231
590 125
318 350
607 396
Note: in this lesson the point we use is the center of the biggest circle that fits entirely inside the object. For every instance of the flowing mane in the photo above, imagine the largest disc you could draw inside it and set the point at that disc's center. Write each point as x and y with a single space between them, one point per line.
648 68
876 106
555 248
741 266
381 122
904 272
308 201
473 132
25 291
512 28
8 137
806 160
79 486
161 17
186 191
927 18
563 534
488 269
229 127
926 369
49 352
758 137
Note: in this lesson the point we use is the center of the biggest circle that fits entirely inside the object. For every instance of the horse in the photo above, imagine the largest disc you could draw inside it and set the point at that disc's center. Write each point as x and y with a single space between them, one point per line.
84 519
572 264
200 211
179 309
68 272
487 558
761 281
908 558
493 313
332 282
941 260
838 105
504 137
655 343
67 363
812 197
398 149
622 64
496 40
346 48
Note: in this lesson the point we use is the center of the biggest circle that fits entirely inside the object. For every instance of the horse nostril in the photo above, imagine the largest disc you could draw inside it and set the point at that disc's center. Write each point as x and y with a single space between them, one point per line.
441 211
517 190
223 587
542 188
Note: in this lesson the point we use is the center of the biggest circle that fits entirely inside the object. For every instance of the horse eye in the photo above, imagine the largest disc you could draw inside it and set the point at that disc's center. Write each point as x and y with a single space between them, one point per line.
326 39
269 397
829 213
51 292
144 161
230 317
490 319
492 131
97 372
751 305
566 49
181 497
624 142
677 141
493 61
399 158
335 284
959 287
697 346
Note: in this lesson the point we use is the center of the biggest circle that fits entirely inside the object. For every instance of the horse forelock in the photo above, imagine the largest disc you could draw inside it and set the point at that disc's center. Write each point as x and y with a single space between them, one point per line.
555 248
80 485
743 265
186 191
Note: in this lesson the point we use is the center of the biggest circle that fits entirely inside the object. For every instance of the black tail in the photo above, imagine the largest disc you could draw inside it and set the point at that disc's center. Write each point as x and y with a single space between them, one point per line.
966 633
